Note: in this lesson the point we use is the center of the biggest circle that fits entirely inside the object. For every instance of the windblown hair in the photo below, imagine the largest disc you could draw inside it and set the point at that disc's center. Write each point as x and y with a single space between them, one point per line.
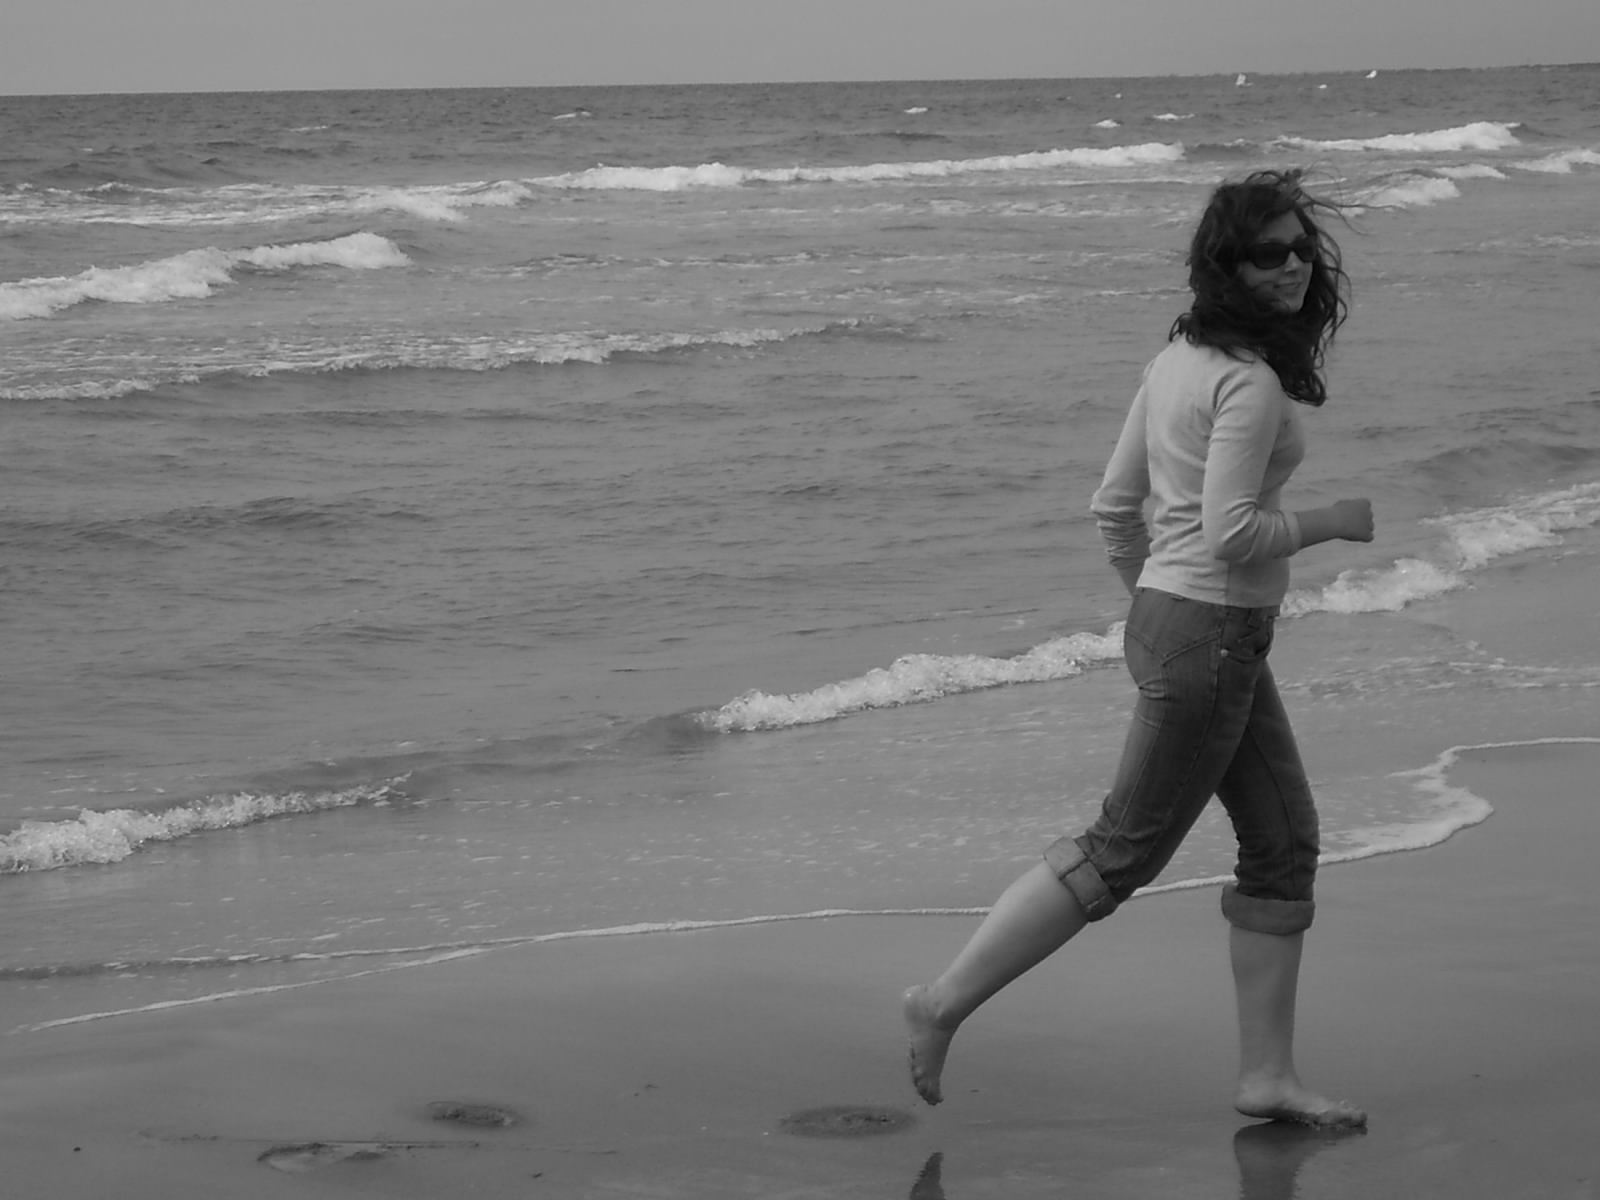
1226 314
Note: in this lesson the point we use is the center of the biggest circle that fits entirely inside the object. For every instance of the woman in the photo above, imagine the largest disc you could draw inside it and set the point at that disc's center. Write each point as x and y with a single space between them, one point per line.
1212 435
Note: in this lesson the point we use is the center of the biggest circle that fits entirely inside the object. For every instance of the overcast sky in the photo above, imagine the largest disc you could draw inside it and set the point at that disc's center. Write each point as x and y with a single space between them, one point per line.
198 45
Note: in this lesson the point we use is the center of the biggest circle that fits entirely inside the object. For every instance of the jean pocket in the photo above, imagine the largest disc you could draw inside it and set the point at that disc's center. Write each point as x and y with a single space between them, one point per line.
1162 628
1251 644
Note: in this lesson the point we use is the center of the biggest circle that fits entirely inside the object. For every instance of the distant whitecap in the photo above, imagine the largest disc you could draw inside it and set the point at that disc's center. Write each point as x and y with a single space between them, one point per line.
1480 135
720 175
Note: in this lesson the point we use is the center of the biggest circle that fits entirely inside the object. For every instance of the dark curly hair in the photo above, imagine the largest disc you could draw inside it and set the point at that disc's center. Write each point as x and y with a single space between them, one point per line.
1227 314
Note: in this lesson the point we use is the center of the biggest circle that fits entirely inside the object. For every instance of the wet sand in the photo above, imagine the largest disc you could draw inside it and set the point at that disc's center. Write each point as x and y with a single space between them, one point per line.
1450 991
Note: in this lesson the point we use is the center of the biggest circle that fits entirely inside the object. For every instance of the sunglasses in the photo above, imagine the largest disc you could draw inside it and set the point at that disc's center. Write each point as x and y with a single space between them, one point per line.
1269 256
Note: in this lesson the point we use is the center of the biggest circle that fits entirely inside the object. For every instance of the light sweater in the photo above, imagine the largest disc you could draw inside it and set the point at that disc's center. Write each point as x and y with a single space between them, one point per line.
1209 441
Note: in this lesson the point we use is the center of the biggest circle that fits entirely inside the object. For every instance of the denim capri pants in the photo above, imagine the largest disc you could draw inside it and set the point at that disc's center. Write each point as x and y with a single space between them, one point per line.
1208 722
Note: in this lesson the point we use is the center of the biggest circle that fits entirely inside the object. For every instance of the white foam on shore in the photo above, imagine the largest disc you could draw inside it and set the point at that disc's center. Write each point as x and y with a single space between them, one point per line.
1447 807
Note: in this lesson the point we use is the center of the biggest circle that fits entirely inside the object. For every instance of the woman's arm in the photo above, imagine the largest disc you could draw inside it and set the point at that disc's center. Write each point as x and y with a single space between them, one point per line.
1247 419
1247 423
1118 505
1343 520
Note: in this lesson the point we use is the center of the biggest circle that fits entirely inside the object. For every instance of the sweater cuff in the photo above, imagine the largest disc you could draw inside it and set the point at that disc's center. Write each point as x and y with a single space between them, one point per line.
1296 538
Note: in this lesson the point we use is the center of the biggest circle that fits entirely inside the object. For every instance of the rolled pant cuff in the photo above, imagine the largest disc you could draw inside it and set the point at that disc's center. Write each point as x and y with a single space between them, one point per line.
1260 915
1079 876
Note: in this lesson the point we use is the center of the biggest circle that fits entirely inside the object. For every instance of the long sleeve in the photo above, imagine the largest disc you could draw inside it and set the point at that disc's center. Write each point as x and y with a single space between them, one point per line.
1249 418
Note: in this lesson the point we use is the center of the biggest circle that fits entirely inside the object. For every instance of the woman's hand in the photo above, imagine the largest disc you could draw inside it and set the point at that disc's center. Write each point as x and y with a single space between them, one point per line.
1355 519
1343 520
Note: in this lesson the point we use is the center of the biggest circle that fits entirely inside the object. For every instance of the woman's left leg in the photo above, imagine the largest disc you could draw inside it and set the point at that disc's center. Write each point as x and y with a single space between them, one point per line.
1270 907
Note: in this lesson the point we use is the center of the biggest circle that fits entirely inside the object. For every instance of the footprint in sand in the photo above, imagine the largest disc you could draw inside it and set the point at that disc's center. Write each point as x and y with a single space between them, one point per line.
481 1116
844 1120
308 1156
299 1157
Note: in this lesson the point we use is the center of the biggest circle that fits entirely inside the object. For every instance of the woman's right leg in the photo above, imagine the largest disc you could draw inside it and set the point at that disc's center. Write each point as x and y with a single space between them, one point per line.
1033 918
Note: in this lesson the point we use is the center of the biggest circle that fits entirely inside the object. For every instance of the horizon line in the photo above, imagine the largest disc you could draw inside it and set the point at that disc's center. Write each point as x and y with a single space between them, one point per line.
503 87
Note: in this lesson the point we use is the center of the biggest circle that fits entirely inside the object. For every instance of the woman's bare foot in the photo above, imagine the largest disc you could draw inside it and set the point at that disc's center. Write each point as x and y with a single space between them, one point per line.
1289 1100
930 1042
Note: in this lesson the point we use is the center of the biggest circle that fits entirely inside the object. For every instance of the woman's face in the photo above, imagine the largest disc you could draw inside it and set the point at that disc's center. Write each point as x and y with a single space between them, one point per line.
1283 285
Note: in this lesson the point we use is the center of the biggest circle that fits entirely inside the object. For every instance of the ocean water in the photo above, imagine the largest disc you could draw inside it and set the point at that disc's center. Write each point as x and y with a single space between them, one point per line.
436 519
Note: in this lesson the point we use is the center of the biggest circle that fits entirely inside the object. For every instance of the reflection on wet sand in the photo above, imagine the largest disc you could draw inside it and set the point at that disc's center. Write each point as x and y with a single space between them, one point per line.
1269 1154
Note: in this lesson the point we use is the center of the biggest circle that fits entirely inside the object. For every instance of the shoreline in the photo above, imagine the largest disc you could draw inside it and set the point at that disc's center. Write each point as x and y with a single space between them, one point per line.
1461 810
1440 991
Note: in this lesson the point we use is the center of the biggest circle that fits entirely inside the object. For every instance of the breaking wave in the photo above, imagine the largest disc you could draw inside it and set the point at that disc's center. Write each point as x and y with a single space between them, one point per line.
423 352
913 679
718 175
113 835
192 275
1480 135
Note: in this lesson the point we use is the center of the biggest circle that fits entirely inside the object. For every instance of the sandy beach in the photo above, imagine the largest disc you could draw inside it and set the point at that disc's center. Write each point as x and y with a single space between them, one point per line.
1450 991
